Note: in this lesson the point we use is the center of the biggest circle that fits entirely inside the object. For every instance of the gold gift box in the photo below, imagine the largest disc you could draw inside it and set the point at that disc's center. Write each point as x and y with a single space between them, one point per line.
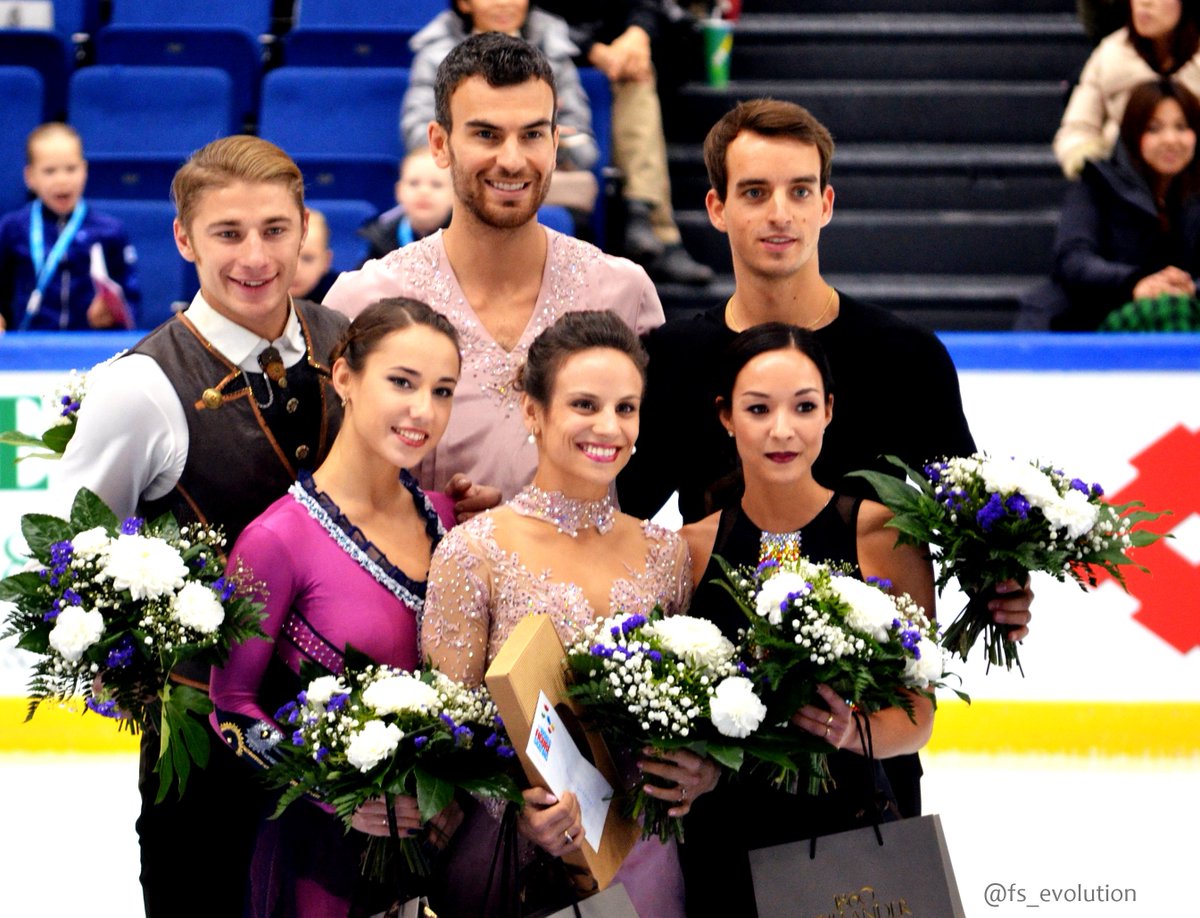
532 660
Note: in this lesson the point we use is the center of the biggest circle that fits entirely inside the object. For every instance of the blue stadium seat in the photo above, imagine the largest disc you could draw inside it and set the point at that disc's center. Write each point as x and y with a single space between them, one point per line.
253 15
599 94
50 55
165 276
367 13
348 46
557 218
344 219
21 88
72 16
334 111
357 178
231 48
119 175
151 111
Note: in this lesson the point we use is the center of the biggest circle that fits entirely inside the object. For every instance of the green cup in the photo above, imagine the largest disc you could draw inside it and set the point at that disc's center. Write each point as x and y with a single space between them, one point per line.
718 47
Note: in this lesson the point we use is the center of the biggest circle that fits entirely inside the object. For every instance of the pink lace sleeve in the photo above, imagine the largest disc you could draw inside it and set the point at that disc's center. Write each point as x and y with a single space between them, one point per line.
457 620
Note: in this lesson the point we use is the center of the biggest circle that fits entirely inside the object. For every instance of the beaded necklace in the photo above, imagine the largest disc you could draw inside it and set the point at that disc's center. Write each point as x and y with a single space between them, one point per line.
567 514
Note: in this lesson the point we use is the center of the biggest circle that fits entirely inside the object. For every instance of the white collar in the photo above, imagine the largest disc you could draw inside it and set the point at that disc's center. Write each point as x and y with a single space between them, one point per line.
238 344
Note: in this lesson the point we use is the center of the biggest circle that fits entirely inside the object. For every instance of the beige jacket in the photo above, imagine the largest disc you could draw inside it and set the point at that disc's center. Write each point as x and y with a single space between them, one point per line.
1092 119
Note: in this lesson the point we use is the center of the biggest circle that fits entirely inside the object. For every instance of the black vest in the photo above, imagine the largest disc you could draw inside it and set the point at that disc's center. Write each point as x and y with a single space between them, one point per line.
247 436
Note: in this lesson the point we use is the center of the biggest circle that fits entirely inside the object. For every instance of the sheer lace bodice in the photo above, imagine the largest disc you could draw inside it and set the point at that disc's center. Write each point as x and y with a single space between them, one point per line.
478 591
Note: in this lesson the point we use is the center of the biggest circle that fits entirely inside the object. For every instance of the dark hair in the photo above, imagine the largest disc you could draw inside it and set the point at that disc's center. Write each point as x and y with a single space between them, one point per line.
382 318
572 333
500 59
770 118
1184 39
762 339
1139 112
468 21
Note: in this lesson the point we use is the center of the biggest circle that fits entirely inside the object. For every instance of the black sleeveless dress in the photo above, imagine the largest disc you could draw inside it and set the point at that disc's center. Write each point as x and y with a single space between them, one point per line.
746 813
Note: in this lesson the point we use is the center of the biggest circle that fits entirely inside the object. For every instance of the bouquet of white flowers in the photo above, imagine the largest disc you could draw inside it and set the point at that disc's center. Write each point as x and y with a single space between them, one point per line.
64 401
113 606
989 519
810 623
670 683
377 731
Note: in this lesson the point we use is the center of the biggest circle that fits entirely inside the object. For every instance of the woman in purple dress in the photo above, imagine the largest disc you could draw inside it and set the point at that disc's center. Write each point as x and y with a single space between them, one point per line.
342 559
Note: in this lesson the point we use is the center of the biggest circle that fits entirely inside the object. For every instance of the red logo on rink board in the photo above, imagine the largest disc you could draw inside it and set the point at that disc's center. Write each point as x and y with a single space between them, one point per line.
1166 479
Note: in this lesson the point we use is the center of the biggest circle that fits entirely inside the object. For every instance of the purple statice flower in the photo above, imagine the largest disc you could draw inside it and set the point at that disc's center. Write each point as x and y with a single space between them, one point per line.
223 588
463 734
52 614
337 702
1017 505
600 650
420 741
765 566
200 562
121 655
69 406
1078 484
742 668
654 656
70 597
498 722
448 721
505 752
302 698
954 499
131 525
492 740
320 754
1097 491
60 555
288 713
632 623
882 582
104 708
990 513
933 471
298 738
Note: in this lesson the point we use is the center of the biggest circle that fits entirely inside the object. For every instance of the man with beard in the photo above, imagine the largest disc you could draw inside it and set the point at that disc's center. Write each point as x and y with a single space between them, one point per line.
497 274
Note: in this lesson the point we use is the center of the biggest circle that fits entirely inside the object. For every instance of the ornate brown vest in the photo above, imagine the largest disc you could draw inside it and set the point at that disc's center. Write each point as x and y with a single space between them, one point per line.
247 435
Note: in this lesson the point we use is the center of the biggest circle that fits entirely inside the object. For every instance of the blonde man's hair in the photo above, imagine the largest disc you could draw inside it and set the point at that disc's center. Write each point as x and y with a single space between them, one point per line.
240 158
50 129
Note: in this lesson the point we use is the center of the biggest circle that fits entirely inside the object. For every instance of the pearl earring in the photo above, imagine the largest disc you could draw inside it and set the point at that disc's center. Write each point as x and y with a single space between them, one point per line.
728 431
532 440
633 450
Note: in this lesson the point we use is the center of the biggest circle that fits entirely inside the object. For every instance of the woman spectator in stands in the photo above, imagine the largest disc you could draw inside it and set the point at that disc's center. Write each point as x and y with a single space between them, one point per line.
1161 40
1130 228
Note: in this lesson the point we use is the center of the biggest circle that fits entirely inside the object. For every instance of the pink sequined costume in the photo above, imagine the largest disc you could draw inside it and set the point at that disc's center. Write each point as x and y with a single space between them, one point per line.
326 586
486 439
478 591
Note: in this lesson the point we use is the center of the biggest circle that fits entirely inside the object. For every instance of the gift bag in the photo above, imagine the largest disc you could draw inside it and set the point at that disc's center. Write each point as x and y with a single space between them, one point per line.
851 873
612 902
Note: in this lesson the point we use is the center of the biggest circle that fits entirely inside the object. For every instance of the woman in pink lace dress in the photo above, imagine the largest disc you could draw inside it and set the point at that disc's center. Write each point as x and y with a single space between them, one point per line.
560 548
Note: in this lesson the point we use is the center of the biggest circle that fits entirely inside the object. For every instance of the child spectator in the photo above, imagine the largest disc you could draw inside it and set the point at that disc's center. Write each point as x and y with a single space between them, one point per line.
46 247
423 203
313 276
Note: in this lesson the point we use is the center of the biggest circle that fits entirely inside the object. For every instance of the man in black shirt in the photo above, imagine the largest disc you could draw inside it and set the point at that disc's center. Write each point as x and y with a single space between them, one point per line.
897 389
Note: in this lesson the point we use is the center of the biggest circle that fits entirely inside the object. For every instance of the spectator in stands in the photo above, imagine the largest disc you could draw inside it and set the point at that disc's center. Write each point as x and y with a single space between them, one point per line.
48 248
573 184
424 200
1162 39
616 36
314 275
1130 228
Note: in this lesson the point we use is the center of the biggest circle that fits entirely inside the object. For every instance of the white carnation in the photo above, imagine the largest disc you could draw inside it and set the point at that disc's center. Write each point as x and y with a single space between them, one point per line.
774 593
736 710
695 640
146 566
1072 512
75 630
90 542
1006 476
372 744
197 607
872 611
321 689
919 673
401 693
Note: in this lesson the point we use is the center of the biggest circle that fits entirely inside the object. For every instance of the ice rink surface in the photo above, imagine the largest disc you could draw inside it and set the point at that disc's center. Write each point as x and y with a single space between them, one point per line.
1028 835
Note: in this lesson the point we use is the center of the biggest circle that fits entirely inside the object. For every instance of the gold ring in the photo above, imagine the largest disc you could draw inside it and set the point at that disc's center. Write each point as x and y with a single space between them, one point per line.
830 721
567 836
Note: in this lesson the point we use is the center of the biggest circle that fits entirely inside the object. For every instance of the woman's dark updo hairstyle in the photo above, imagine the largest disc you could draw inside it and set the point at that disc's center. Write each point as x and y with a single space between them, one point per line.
762 339
382 318
1185 39
572 333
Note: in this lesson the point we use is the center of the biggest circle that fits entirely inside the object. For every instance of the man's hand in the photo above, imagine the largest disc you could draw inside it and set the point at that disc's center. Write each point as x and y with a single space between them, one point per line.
470 498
